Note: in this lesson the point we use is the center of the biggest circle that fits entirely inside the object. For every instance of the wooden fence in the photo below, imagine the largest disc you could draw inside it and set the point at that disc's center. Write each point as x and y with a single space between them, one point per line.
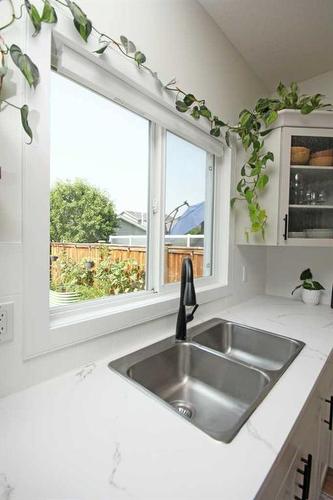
96 252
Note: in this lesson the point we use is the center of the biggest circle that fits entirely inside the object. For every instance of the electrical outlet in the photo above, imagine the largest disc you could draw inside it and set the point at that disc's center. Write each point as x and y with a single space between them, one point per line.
6 321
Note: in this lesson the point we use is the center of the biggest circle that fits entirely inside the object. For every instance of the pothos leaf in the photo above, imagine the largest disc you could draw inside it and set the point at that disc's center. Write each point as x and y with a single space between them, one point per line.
83 29
102 49
262 181
34 16
24 120
189 99
195 113
181 106
128 45
215 131
25 64
81 22
139 57
49 14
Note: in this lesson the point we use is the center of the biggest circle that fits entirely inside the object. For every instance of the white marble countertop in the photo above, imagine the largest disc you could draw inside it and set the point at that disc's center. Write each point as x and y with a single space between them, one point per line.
91 435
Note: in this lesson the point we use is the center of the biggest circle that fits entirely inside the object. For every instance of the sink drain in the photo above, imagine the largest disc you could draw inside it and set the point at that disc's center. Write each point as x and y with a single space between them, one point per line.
183 408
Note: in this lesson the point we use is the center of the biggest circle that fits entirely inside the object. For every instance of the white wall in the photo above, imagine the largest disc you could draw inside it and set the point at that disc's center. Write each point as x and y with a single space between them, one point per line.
284 265
181 40
321 83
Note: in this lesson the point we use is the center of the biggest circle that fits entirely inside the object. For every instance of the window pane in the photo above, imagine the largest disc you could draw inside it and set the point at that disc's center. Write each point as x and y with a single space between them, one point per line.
188 208
99 195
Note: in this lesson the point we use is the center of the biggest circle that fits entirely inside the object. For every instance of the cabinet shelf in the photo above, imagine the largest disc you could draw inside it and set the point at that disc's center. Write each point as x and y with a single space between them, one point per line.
312 207
311 167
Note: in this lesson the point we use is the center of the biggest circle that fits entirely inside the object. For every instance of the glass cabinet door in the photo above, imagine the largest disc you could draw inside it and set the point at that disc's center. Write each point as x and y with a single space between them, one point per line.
310 212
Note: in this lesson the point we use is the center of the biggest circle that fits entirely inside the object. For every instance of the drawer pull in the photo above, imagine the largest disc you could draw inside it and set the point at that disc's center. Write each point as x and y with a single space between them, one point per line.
330 421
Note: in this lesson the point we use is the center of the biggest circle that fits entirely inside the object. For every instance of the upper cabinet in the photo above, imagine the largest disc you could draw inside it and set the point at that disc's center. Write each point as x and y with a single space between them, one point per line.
299 196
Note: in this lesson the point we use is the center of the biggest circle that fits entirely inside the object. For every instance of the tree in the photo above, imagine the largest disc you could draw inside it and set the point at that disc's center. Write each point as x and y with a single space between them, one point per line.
81 213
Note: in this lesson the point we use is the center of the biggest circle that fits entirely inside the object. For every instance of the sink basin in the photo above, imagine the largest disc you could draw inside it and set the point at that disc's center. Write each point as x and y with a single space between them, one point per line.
254 347
213 392
217 378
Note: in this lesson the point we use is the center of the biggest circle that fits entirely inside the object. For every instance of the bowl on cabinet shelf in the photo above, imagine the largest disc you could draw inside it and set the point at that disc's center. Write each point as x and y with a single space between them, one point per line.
325 152
299 155
321 161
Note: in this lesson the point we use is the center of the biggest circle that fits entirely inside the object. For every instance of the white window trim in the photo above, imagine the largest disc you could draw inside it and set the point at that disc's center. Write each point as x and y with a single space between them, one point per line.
45 332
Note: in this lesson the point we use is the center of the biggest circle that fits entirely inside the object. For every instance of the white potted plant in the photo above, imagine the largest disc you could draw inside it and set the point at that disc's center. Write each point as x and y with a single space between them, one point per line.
311 290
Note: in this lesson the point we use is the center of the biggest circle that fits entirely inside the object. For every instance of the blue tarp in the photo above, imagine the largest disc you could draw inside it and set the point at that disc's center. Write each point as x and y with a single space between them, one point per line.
193 217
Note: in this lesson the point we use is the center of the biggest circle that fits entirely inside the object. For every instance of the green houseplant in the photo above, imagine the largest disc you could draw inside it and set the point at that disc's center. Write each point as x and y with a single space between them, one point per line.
250 130
311 289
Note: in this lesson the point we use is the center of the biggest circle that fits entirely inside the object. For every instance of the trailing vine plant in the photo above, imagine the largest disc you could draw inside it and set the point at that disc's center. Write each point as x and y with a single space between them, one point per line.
252 127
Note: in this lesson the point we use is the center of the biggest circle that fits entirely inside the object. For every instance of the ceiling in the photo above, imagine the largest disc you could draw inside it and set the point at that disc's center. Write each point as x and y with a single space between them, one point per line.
280 39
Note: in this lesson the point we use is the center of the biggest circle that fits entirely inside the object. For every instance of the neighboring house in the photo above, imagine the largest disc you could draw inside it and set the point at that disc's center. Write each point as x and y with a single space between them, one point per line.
132 223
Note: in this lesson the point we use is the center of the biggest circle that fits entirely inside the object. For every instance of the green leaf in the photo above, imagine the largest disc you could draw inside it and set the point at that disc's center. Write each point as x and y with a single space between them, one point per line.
306 109
270 118
102 49
49 14
83 29
262 181
240 185
34 16
245 117
266 132
139 57
181 106
81 22
127 44
218 122
249 196
189 99
15 53
232 202
256 227
317 285
246 140
24 120
306 275
215 131
281 90
25 64
204 111
195 113
268 157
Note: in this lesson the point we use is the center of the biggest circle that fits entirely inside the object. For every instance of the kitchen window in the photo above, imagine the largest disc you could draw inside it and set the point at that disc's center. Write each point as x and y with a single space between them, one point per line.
117 142
100 222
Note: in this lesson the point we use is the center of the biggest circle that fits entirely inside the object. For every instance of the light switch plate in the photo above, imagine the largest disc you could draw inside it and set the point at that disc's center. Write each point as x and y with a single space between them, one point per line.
6 321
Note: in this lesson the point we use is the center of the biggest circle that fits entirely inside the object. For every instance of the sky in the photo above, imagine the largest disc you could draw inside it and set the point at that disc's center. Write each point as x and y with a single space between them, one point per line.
93 138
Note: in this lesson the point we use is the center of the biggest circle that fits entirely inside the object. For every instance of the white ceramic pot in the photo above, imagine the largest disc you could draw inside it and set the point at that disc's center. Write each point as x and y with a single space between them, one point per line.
311 297
63 298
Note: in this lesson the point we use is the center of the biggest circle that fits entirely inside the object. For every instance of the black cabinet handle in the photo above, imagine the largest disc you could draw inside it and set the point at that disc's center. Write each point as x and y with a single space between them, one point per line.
285 234
306 473
330 421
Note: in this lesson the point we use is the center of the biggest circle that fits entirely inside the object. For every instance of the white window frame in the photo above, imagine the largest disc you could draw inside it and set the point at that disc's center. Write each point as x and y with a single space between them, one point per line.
119 80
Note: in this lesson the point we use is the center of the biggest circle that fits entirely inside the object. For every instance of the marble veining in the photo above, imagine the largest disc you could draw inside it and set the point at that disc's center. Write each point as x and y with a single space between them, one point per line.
116 463
255 433
85 371
89 435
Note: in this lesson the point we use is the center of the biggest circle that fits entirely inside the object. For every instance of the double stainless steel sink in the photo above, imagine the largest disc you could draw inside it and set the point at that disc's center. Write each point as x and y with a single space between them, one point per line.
217 378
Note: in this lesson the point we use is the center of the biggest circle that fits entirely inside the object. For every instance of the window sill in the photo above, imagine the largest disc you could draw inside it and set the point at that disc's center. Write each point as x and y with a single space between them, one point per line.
84 324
